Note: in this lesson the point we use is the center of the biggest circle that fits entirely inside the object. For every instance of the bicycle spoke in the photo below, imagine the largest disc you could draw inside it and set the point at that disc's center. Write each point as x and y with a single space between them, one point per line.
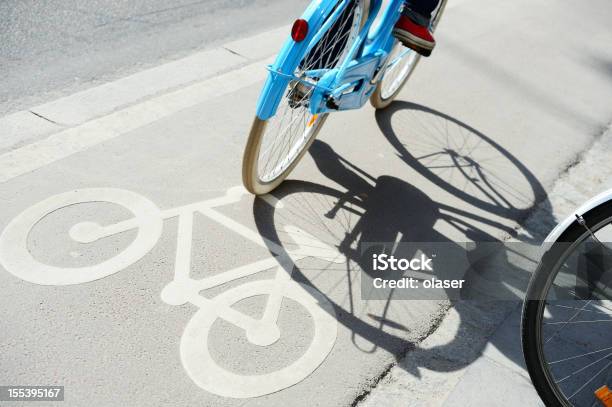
590 380
583 368
580 356
586 310
578 322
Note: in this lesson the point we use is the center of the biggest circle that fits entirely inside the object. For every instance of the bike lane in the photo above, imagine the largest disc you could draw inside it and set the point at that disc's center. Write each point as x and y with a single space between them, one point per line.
110 337
419 172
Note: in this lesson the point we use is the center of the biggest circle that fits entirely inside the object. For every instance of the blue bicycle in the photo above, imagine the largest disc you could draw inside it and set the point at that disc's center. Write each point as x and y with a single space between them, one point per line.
340 54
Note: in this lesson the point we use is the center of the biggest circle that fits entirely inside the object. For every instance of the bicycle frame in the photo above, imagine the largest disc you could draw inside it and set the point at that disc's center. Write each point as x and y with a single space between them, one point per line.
349 85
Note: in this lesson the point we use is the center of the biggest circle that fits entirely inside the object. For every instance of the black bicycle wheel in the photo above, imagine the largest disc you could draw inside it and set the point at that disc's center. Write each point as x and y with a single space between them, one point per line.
567 314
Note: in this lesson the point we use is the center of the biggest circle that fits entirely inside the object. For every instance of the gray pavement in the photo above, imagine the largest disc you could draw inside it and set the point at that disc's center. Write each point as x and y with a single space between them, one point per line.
521 96
51 48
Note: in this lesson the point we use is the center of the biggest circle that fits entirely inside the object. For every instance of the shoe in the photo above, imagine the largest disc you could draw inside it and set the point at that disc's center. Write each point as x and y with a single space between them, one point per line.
414 36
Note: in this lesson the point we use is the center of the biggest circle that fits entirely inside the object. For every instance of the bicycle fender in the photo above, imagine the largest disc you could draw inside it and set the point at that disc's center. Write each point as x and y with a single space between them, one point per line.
584 208
288 59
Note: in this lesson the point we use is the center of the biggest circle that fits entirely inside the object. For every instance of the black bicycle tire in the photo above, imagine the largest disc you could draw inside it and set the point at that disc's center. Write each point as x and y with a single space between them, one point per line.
537 291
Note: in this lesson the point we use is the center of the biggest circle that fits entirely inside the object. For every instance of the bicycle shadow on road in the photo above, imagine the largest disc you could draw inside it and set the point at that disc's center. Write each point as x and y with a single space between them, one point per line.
388 209
486 176
461 160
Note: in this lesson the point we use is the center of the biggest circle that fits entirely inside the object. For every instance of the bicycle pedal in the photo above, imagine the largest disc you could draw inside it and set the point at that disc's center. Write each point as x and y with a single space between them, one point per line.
604 395
419 50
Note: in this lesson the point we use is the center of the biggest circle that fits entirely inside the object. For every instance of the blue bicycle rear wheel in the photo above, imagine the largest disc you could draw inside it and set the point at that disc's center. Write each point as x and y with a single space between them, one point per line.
276 145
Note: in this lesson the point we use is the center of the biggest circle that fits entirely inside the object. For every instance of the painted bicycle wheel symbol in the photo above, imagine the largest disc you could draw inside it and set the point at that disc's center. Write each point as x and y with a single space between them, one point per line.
195 355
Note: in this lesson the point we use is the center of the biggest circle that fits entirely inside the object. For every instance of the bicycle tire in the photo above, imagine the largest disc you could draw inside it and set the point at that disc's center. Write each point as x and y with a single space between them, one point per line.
293 152
537 292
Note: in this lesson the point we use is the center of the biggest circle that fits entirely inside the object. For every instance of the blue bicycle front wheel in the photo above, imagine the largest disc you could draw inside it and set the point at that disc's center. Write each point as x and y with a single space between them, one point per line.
401 64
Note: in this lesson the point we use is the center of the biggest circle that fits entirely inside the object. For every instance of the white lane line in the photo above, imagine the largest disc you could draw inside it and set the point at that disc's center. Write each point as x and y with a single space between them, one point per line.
72 110
79 107
65 143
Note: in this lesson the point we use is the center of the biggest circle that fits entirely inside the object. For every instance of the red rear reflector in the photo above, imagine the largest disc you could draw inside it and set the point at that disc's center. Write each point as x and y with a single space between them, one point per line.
299 31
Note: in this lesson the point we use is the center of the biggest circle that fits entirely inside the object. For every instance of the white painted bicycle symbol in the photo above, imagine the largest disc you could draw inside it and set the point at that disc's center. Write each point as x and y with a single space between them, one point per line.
195 355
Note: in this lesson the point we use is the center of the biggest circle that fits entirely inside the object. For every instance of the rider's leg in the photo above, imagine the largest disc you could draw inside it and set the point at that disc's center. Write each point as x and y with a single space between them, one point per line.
412 27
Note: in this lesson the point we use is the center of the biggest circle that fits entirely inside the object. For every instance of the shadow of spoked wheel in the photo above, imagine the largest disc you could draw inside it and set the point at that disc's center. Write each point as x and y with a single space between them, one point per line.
461 160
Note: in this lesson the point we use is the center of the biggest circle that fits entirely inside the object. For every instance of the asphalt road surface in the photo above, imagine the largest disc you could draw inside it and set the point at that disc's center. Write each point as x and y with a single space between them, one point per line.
50 48
140 312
